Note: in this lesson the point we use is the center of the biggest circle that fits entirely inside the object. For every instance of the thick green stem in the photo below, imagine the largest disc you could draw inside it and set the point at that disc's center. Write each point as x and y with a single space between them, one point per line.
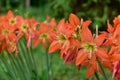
12 65
23 62
104 75
17 67
35 67
97 77
47 62
26 58
8 67
30 57
51 67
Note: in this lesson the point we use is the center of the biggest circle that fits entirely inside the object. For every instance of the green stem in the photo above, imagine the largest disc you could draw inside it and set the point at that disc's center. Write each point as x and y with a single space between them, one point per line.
18 69
42 64
12 64
105 77
26 58
34 61
96 75
21 67
51 67
4 70
23 62
31 58
8 67
48 67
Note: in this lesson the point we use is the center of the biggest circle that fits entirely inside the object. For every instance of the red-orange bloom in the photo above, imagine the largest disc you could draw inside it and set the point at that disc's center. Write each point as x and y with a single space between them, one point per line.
42 35
62 42
114 41
90 50
8 33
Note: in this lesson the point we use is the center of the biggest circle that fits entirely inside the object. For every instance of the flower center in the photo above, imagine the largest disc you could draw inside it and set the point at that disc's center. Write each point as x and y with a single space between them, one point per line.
61 37
24 27
5 31
89 47
44 36
12 44
54 29
12 21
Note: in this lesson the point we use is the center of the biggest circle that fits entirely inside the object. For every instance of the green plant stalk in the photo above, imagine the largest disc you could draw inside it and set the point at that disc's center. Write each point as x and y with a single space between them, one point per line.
26 57
19 63
17 67
12 64
8 67
4 71
34 61
31 57
23 62
42 65
51 67
96 75
105 77
47 63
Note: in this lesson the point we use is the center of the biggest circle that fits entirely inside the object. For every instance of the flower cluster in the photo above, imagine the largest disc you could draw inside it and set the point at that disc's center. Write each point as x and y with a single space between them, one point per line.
72 38
12 28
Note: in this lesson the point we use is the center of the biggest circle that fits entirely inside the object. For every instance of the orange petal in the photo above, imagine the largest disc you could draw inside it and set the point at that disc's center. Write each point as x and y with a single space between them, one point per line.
115 57
102 54
117 31
75 42
43 28
93 62
36 42
65 48
10 14
99 39
55 45
110 28
86 33
112 50
74 20
60 26
52 23
90 71
81 57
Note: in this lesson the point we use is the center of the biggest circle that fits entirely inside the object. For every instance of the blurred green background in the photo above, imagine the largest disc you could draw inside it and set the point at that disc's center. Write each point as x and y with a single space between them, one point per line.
98 11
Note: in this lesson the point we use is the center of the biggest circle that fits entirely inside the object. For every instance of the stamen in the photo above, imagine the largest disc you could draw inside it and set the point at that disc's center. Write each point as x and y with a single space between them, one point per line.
44 36
61 37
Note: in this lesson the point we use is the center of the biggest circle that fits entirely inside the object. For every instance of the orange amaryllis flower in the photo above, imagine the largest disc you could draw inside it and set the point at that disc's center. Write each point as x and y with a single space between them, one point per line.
75 26
11 20
114 54
7 35
113 40
113 35
42 35
22 26
90 50
115 60
62 39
